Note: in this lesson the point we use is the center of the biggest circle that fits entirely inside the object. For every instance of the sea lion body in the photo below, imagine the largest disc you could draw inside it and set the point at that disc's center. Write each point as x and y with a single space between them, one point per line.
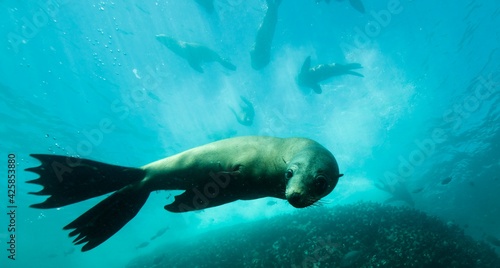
311 76
239 168
194 53
261 50
246 113
296 169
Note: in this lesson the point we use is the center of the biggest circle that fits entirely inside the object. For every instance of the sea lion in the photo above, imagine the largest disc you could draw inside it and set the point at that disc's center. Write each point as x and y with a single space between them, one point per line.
195 54
397 190
246 113
446 181
159 233
310 77
261 50
298 170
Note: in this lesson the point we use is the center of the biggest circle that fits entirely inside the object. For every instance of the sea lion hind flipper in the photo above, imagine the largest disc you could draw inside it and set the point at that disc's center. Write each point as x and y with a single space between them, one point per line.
70 180
196 199
107 217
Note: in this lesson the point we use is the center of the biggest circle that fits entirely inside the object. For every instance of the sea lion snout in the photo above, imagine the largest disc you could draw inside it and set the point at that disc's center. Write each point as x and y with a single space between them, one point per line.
297 200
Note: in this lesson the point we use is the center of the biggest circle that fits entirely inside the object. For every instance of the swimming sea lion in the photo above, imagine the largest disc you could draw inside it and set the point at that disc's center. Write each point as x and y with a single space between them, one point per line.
310 77
246 114
299 170
397 190
261 51
194 53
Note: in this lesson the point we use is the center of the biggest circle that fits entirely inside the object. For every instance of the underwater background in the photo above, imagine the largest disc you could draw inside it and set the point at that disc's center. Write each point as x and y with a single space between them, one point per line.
418 133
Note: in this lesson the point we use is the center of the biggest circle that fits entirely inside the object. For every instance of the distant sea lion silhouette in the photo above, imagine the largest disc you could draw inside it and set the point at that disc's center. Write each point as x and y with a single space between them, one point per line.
261 51
195 54
298 170
246 113
446 181
310 77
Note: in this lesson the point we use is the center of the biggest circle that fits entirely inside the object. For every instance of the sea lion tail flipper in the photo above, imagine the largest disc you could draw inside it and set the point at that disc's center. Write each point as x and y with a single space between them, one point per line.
306 65
227 64
106 218
70 180
351 66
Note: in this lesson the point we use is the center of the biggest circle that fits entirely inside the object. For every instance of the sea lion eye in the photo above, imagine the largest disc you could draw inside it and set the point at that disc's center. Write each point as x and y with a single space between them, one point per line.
320 184
289 174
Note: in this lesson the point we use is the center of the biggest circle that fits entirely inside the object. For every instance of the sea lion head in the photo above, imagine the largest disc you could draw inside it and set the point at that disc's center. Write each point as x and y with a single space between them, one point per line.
311 175
167 41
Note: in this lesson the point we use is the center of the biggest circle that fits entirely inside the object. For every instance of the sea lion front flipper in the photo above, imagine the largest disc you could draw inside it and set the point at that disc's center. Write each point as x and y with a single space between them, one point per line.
195 65
198 199
317 88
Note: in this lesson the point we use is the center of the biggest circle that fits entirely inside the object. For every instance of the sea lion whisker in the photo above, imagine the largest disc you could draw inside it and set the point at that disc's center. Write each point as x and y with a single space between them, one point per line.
318 204
325 201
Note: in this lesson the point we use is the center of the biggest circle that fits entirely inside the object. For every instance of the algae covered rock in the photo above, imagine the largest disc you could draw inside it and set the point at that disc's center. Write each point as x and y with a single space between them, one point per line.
357 235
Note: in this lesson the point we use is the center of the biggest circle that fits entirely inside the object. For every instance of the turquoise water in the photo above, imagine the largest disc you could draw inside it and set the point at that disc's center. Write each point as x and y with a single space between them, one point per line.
422 124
